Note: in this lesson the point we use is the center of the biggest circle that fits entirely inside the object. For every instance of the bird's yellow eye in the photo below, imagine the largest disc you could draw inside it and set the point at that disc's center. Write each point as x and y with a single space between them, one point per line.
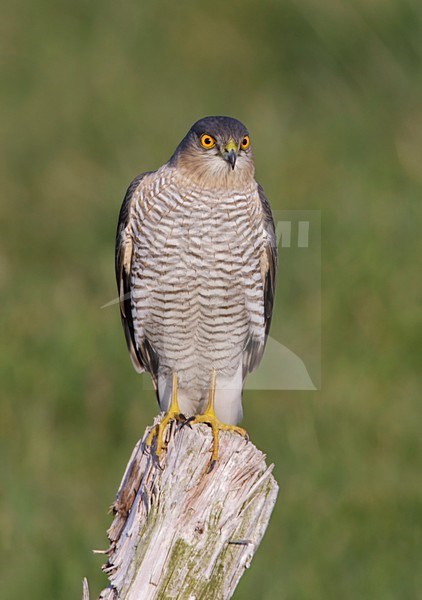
245 143
207 141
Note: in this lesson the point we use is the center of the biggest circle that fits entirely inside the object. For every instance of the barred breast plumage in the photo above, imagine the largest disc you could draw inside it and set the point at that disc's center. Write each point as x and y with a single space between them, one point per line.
197 267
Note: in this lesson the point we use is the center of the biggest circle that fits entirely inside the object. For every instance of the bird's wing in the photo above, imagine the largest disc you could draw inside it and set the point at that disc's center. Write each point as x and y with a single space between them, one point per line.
269 267
255 348
141 352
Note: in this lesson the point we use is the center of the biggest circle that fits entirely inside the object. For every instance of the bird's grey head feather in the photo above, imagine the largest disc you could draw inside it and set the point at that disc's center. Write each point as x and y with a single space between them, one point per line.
225 163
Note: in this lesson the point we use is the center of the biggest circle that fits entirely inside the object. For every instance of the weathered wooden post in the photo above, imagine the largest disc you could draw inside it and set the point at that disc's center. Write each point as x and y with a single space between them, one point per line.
181 532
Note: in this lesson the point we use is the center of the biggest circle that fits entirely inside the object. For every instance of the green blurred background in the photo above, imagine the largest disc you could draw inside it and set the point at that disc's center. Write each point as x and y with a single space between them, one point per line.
92 93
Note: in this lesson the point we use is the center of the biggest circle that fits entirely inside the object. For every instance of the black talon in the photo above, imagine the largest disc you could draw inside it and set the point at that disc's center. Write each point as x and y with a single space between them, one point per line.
211 466
181 420
187 422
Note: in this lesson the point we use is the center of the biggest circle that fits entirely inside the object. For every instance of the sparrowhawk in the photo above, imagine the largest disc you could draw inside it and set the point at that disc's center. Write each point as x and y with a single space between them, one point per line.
195 265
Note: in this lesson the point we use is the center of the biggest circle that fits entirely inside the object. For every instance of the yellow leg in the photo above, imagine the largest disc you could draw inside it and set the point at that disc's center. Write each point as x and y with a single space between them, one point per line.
173 414
209 417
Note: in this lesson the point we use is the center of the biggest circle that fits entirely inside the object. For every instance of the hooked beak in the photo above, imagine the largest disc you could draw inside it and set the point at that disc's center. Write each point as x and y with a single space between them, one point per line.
230 152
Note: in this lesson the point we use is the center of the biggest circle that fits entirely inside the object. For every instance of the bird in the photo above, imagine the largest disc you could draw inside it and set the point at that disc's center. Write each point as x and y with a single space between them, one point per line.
196 262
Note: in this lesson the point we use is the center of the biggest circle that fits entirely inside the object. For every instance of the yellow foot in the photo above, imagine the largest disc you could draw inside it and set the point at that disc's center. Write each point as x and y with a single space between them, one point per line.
216 425
173 414
209 418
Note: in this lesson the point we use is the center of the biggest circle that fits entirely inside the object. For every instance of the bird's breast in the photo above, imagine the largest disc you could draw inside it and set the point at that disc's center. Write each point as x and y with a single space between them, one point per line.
196 280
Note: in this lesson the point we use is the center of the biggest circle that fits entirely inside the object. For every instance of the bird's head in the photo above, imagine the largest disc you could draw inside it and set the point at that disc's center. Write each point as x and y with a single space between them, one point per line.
216 152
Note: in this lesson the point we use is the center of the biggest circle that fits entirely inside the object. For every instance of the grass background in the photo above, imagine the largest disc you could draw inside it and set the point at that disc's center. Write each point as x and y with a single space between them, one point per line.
92 93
